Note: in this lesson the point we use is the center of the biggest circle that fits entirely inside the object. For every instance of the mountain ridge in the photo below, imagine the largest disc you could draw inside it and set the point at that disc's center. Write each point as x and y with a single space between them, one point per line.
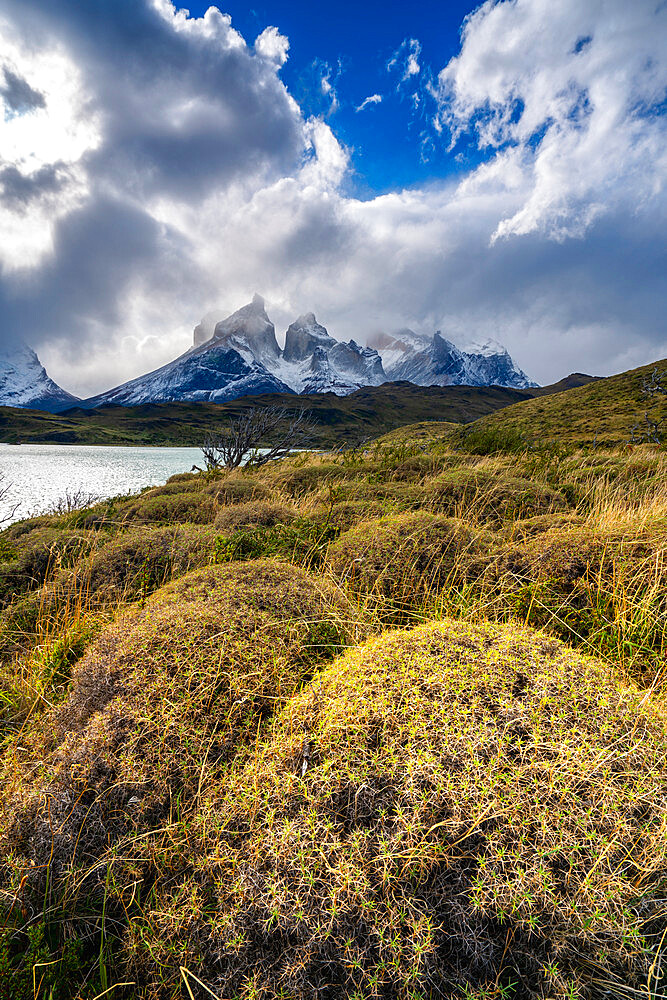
240 355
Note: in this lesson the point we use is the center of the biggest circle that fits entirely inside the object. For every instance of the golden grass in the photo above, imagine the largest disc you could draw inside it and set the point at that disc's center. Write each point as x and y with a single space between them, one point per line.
454 807
463 809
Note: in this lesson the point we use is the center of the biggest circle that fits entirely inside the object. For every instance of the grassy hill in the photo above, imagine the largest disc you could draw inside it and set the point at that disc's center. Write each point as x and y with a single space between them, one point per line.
339 420
386 722
602 412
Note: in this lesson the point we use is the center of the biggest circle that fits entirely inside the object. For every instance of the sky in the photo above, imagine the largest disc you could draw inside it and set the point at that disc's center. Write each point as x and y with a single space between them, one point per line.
488 171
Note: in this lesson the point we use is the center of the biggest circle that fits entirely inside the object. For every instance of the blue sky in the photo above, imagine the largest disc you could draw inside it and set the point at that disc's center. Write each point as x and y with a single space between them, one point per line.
392 143
157 165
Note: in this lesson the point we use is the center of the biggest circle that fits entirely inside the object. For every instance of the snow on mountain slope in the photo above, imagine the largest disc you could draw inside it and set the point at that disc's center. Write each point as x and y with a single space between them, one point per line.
24 382
438 361
213 372
240 355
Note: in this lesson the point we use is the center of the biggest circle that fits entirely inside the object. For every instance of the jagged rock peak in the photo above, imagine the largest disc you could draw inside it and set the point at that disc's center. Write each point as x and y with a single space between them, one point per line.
250 330
304 336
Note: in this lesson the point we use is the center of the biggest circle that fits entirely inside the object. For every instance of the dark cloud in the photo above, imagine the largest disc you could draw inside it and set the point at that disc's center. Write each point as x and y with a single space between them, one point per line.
179 109
18 189
18 95
100 251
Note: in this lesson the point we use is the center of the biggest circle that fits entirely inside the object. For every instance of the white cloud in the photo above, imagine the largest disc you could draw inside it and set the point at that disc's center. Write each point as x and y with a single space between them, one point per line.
197 180
369 101
273 46
567 94
406 59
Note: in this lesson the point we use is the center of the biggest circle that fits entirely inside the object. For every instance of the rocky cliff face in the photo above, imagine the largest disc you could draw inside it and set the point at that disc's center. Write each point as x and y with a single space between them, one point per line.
24 382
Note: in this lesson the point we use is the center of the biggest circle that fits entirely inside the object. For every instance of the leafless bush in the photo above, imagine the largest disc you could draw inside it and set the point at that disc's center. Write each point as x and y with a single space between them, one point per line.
8 506
74 499
242 439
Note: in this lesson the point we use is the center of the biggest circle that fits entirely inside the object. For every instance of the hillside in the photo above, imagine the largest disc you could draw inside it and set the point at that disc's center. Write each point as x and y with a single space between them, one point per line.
365 413
386 722
602 412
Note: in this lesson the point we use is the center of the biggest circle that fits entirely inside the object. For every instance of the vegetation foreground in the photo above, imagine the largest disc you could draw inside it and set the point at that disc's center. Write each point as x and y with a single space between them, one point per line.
380 723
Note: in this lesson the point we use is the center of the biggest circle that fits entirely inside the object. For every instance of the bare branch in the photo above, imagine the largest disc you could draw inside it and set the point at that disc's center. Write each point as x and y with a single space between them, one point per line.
75 499
245 435
8 507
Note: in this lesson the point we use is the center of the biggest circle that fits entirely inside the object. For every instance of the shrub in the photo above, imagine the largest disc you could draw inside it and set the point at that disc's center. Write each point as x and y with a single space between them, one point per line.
254 514
454 810
492 495
171 692
409 554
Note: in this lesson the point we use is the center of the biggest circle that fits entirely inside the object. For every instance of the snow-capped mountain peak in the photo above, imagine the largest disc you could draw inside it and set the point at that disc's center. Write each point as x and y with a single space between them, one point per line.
487 348
24 382
239 355
249 329
438 361
303 336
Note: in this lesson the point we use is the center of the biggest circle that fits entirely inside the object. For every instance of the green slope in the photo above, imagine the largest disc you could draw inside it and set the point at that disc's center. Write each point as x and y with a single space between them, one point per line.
339 420
602 412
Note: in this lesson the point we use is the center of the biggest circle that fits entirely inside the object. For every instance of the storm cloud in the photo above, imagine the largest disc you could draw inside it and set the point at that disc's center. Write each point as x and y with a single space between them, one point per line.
155 167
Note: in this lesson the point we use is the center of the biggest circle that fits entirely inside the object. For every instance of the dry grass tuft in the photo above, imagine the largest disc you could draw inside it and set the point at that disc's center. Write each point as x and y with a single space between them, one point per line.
405 556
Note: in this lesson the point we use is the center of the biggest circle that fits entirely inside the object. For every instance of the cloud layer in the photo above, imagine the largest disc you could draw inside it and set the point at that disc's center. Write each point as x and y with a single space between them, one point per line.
153 167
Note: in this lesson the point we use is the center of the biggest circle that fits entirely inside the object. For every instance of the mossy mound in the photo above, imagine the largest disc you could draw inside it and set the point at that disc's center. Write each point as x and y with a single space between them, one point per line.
191 506
452 810
568 553
185 680
345 514
254 514
407 554
390 496
299 479
140 560
492 495
416 468
228 488
40 554
524 528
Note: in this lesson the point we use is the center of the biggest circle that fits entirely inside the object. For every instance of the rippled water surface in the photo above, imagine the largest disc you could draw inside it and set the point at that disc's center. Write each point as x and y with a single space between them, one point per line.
40 474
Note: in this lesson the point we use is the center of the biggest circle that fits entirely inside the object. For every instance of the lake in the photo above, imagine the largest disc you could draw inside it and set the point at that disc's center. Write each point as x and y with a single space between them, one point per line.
41 474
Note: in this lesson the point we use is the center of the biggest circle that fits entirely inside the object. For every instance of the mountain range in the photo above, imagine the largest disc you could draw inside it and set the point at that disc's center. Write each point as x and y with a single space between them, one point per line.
240 356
